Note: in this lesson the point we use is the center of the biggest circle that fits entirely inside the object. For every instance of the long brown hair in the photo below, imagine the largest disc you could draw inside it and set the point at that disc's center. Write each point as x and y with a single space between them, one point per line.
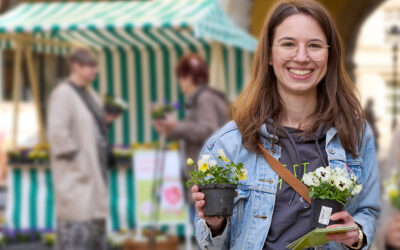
337 104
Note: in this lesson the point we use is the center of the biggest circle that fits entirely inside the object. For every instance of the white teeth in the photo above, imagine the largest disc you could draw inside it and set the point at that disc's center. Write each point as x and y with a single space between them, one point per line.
300 72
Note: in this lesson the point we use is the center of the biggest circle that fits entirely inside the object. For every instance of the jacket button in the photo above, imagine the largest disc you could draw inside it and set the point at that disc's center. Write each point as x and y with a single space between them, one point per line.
261 217
331 150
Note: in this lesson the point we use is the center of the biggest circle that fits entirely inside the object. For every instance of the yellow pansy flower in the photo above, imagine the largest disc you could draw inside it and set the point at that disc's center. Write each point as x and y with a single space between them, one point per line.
203 167
222 155
393 193
243 175
190 162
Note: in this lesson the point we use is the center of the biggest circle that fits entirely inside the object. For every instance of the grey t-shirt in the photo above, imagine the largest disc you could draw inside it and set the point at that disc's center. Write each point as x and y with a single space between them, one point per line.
291 216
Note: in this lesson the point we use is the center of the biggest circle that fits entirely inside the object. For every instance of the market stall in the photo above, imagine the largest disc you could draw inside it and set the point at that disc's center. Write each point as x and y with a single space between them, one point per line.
138 45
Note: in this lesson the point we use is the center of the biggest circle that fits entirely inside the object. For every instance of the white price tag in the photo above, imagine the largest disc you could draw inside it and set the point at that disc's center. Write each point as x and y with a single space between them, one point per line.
325 215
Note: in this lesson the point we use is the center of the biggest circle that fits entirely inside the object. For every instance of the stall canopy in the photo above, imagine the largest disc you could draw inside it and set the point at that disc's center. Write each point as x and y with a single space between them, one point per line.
138 44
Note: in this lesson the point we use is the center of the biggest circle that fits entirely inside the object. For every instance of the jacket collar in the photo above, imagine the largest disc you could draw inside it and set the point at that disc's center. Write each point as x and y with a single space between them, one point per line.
330 134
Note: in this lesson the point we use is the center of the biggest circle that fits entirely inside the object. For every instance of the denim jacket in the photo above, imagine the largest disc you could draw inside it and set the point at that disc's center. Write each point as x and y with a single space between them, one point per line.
248 227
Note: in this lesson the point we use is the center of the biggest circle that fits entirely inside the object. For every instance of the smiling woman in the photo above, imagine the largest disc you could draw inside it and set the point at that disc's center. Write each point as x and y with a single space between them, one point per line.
301 107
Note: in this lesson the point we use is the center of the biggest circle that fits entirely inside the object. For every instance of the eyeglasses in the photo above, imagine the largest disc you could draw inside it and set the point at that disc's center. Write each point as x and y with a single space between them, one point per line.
288 49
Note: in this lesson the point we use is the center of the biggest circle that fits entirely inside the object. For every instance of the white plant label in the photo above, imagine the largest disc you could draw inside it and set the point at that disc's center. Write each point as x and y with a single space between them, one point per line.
325 215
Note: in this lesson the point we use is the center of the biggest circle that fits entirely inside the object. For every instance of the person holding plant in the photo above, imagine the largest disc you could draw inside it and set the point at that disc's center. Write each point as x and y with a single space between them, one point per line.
299 108
206 110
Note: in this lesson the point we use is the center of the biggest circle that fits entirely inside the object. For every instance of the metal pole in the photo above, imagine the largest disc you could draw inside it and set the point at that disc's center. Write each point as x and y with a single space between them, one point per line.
395 49
16 92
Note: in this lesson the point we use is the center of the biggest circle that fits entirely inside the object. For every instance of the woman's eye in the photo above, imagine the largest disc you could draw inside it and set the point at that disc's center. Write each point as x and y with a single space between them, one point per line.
288 44
315 45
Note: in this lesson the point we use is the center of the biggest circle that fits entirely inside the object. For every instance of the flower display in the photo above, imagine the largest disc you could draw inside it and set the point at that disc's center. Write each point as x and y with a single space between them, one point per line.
332 183
209 171
391 188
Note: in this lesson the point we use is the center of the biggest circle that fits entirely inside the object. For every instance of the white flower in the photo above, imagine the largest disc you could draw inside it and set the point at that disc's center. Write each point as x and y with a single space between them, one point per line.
356 190
311 180
307 179
353 177
323 174
212 163
121 103
316 181
342 183
205 157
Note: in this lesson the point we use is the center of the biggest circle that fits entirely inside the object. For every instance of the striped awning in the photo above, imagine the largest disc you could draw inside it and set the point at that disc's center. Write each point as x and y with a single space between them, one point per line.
138 45
122 23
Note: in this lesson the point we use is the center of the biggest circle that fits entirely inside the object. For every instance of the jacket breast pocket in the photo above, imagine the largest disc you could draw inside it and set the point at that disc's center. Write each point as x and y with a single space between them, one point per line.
238 216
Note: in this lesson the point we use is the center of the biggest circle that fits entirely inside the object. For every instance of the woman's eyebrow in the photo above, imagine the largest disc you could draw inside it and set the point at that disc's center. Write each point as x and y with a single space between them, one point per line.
293 39
287 38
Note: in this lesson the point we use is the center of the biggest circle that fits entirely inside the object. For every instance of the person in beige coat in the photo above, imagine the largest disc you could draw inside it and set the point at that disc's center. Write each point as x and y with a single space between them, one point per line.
77 137
388 230
206 110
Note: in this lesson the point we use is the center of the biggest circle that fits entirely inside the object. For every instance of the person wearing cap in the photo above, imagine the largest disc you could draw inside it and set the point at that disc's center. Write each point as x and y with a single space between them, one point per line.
77 133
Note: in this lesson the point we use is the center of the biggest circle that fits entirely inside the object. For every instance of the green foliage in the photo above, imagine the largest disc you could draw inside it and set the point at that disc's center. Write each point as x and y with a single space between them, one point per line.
209 172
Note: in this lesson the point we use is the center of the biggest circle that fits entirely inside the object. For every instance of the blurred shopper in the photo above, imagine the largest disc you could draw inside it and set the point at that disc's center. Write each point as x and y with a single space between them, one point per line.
371 119
77 134
206 111
300 108
388 233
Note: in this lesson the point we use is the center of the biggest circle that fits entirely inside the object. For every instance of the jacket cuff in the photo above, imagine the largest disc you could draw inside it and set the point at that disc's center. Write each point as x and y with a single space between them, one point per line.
367 229
204 235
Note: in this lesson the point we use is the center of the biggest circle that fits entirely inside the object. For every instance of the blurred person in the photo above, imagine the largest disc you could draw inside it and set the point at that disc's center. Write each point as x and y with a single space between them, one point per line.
77 134
388 233
300 105
371 119
206 110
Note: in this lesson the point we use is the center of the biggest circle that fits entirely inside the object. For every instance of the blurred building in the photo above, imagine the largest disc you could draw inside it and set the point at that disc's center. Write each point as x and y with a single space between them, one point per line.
374 67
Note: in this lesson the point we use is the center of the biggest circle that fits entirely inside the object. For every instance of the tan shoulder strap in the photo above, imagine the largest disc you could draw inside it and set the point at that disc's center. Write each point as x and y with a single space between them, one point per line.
286 175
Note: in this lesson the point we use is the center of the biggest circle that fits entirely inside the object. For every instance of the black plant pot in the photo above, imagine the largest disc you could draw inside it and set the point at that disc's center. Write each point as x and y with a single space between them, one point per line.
219 199
321 211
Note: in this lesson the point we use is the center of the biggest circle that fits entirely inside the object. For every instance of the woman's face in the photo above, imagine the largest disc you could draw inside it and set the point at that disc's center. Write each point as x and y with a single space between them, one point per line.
299 74
187 84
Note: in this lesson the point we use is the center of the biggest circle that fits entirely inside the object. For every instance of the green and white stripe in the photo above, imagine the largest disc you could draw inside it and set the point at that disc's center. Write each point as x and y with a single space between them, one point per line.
138 45
30 202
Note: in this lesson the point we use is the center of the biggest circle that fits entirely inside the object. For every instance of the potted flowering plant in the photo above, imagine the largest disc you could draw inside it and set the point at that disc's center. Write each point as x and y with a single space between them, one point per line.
391 189
114 105
217 182
330 190
122 156
159 111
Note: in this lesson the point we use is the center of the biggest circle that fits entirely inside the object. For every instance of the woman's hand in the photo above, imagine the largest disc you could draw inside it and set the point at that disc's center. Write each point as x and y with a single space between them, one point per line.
392 234
215 223
166 125
347 238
